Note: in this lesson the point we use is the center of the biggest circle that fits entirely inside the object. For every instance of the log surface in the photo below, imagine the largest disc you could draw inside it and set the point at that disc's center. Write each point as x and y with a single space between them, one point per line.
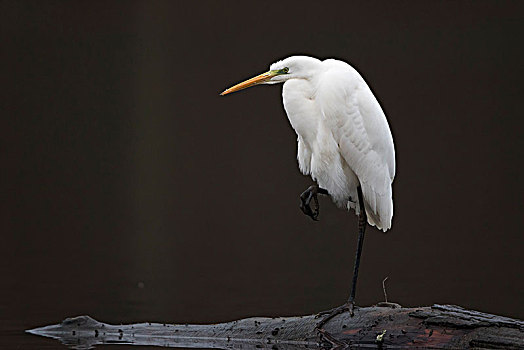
376 327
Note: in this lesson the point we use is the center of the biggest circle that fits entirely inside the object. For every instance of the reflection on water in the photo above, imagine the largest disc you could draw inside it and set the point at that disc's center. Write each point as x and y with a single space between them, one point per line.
83 332
437 327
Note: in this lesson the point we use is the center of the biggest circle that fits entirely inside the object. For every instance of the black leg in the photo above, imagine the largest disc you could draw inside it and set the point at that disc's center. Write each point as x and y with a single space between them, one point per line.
349 305
305 201
362 222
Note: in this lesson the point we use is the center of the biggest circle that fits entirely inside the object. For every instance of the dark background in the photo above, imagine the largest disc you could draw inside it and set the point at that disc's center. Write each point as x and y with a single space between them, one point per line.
131 191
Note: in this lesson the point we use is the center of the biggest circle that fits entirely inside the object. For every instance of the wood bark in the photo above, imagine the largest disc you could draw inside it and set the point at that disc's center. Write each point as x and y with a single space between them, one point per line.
376 327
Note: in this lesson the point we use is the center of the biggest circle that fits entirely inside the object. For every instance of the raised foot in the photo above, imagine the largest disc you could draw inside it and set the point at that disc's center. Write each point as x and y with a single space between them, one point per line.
305 202
333 312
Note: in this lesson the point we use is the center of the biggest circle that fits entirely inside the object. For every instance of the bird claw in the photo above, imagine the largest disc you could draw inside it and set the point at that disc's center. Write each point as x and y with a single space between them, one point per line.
349 306
305 202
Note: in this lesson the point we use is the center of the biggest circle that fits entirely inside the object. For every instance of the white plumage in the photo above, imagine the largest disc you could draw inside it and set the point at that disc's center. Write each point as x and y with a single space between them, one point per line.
343 136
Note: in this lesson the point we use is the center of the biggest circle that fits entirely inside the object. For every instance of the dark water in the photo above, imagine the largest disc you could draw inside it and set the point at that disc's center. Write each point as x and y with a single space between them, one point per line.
132 192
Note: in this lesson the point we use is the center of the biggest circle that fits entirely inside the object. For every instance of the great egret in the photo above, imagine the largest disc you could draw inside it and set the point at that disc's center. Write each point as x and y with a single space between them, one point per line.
344 141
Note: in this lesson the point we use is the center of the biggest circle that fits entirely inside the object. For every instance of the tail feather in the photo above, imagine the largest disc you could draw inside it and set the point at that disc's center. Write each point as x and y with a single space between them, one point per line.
379 208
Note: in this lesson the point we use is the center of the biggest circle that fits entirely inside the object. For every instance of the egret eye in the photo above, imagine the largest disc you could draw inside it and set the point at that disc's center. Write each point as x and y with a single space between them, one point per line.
285 70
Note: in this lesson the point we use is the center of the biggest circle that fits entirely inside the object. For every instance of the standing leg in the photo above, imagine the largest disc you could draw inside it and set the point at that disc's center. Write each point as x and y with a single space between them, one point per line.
349 305
362 222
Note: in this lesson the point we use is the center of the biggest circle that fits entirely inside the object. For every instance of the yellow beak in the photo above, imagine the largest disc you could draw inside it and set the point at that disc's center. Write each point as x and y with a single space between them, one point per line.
250 82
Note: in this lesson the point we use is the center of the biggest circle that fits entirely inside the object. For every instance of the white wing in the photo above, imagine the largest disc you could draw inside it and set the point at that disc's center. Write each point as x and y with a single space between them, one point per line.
361 130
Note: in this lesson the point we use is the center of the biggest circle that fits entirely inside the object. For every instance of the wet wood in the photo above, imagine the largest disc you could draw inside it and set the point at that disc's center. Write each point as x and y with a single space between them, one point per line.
377 327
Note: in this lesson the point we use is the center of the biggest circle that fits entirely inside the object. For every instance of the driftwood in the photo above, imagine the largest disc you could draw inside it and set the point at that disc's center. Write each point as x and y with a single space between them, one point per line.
377 327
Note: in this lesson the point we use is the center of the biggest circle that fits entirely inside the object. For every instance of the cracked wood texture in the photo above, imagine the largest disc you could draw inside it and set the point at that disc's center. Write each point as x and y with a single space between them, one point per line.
435 327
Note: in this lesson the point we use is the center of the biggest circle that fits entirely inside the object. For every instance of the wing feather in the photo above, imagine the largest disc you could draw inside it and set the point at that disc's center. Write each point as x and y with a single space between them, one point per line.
361 130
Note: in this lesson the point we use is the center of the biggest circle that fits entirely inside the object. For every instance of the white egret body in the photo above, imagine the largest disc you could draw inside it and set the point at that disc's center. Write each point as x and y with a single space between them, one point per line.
344 138
344 142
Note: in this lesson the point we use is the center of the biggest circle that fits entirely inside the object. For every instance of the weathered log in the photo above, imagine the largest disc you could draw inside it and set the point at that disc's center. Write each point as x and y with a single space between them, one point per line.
435 327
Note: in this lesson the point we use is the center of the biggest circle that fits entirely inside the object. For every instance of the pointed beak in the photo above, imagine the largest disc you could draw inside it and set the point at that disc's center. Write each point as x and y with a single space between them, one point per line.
259 79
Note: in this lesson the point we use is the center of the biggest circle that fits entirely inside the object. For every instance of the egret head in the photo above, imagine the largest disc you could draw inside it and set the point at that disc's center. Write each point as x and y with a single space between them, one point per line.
294 67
